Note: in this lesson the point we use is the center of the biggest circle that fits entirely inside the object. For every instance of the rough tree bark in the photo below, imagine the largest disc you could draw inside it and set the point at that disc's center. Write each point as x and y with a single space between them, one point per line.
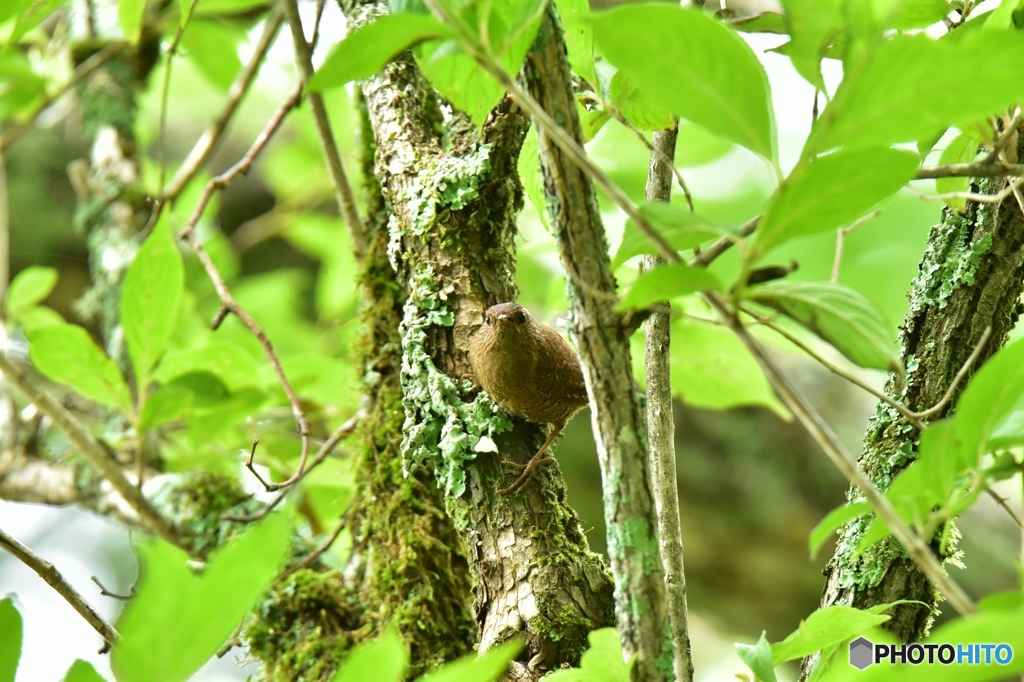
453 194
618 420
970 277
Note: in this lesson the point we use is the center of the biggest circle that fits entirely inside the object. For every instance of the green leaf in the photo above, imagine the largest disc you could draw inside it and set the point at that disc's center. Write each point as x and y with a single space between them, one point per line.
165 404
679 227
696 146
82 671
39 317
67 354
129 15
667 282
366 50
591 120
920 13
766 22
602 662
822 628
831 191
459 78
472 668
833 521
637 108
961 149
215 7
813 25
712 369
880 105
10 643
579 37
20 85
993 394
1001 18
28 289
384 659
758 658
692 65
229 362
177 619
149 299
531 177
848 320
212 45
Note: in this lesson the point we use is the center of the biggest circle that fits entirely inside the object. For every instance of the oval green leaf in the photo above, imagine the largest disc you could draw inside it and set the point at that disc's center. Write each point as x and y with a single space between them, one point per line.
29 289
694 66
831 191
67 354
848 320
679 227
666 282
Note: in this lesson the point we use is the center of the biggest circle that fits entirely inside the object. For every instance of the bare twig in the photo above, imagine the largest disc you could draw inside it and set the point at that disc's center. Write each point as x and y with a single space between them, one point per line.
84 69
841 237
228 303
316 553
1004 137
58 582
325 450
107 593
970 196
92 450
165 90
705 257
912 417
937 407
976 169
1002 502
339 179
233 641
208 141
916 547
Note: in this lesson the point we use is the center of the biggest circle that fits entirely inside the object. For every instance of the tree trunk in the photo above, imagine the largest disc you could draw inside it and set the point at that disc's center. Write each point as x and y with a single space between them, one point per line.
970 277
535 575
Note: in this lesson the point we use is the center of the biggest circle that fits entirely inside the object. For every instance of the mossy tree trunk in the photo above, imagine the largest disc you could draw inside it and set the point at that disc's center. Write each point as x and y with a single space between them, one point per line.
970 278
453 194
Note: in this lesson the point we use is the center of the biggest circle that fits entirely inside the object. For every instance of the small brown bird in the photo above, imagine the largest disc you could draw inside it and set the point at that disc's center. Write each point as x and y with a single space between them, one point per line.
530 371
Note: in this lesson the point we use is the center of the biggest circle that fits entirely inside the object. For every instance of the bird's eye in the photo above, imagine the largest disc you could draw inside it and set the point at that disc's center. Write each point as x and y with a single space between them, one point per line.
521 317
487 320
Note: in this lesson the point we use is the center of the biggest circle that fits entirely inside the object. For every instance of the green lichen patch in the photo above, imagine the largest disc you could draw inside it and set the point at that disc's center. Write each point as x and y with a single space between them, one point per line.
453 182
304 626
634 534
442 424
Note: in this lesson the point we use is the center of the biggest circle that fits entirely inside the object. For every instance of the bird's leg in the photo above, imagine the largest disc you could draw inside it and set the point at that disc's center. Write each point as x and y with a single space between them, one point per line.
534 462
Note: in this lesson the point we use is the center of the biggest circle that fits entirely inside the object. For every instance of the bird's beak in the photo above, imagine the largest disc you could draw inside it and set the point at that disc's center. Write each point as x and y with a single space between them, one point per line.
502 317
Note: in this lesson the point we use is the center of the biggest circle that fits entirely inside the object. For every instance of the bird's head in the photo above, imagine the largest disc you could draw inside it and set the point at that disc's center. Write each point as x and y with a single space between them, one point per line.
508 318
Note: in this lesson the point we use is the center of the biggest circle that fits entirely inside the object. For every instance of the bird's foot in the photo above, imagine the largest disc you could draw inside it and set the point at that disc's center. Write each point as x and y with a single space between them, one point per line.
527 469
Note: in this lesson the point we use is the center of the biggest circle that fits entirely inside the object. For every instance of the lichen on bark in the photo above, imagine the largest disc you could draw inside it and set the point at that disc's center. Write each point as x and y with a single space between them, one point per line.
970 278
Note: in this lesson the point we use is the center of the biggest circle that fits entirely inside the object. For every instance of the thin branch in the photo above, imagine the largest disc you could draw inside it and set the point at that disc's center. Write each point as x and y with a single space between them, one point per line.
208 141
976 169
1004 137
705 257
340 434
228 303
935 409
165 91
339 179
841 237
318 552
916 547
84 69
107 593
92 450
661 426
970 196
910 416
1002 502
58 582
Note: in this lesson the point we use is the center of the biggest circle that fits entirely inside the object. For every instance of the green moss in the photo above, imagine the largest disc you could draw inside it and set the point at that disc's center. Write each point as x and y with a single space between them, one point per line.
304 626
108 98
196 502
666 659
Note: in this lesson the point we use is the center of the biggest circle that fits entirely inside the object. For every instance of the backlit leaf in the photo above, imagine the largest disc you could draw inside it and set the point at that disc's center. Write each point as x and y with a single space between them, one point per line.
67 354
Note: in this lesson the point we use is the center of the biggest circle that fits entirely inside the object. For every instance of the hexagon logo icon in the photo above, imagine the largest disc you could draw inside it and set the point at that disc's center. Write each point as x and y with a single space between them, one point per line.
861 653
